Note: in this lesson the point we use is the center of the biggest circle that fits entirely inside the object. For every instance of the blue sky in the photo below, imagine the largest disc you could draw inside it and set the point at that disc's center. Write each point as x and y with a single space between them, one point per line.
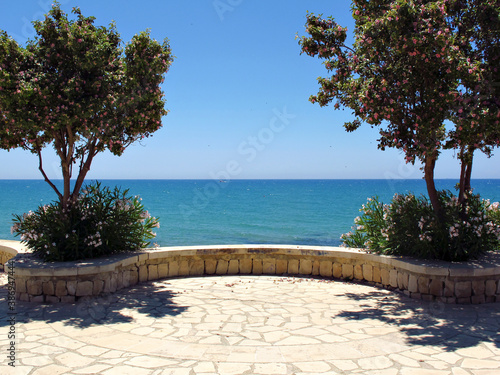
237 93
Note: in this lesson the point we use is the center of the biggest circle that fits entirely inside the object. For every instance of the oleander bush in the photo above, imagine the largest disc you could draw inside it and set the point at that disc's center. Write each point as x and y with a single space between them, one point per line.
101 221
409 226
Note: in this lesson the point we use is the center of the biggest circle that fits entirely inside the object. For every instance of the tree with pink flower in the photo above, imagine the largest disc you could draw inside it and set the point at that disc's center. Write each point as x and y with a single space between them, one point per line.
477 112
427 73
413 66
76 88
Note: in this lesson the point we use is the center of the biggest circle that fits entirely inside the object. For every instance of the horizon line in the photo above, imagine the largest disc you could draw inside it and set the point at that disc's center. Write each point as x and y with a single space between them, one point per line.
244 179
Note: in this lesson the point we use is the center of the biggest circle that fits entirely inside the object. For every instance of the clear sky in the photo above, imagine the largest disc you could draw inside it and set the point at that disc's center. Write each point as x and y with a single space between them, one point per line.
237 93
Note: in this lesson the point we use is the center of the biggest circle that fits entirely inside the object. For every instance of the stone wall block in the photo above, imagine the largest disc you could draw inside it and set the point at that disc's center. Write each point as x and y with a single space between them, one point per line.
173 268
257 267
436 287
245 266
281 266
21 285
153 272
34 287
315 268
368 272
393 278
337 270
347 271
449 288
403 279
125 278
269 266
113 282
326 268
305 266
48 288
423 284
384 276
143 273
119 279
134 276
84 288
61 288
71 287
197 267
358 272
222 266
377 274
293 266
210 266
99 287
184 267
490 288
233 268
162 270
107 284
478 288
413 284
463 289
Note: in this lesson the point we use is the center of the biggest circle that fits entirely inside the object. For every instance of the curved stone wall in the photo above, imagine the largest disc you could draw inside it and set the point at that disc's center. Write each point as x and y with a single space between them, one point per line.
471 282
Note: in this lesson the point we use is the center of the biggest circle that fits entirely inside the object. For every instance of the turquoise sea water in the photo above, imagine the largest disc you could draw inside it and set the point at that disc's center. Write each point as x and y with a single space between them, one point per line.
205 212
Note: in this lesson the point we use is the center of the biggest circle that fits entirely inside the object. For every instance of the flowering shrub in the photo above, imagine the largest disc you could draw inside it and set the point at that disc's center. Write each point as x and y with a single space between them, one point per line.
99 222
408 226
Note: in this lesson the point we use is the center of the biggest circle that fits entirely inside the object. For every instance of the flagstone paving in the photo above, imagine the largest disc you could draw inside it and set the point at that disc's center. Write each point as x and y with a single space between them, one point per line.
252 325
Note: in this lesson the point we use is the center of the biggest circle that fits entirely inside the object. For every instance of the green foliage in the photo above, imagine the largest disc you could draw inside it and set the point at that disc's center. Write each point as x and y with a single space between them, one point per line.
409 226
367 227
99 222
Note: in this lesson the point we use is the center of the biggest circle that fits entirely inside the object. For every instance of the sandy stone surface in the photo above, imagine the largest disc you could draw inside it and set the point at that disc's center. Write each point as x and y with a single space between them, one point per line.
251 325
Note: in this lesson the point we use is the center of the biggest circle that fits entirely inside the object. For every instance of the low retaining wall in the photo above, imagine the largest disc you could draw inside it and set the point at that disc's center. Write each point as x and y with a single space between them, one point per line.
472 282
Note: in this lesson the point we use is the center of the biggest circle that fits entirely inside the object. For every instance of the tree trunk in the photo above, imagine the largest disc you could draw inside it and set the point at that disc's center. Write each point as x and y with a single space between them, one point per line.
468 173
466 158
429 164
67 183
463 172
85 168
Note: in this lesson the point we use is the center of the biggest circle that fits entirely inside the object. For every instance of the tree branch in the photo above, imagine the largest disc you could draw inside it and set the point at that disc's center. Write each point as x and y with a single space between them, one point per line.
40 167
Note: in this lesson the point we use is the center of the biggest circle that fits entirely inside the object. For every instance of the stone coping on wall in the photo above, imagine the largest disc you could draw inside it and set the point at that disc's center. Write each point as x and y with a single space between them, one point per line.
476 281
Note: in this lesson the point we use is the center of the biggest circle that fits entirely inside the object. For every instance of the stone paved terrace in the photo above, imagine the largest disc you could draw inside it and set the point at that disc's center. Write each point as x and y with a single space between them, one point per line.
249 324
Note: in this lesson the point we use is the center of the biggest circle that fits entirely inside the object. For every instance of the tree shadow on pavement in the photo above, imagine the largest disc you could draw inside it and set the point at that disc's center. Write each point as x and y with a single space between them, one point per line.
120 307
435 323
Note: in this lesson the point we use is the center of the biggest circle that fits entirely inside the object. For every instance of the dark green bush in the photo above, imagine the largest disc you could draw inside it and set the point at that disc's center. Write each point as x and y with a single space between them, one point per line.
100 222
409 226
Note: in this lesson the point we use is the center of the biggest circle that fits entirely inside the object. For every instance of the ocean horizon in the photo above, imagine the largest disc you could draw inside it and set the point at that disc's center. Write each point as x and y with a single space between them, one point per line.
241 211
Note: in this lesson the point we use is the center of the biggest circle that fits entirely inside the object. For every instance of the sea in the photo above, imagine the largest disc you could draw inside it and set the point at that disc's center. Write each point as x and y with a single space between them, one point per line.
220 212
